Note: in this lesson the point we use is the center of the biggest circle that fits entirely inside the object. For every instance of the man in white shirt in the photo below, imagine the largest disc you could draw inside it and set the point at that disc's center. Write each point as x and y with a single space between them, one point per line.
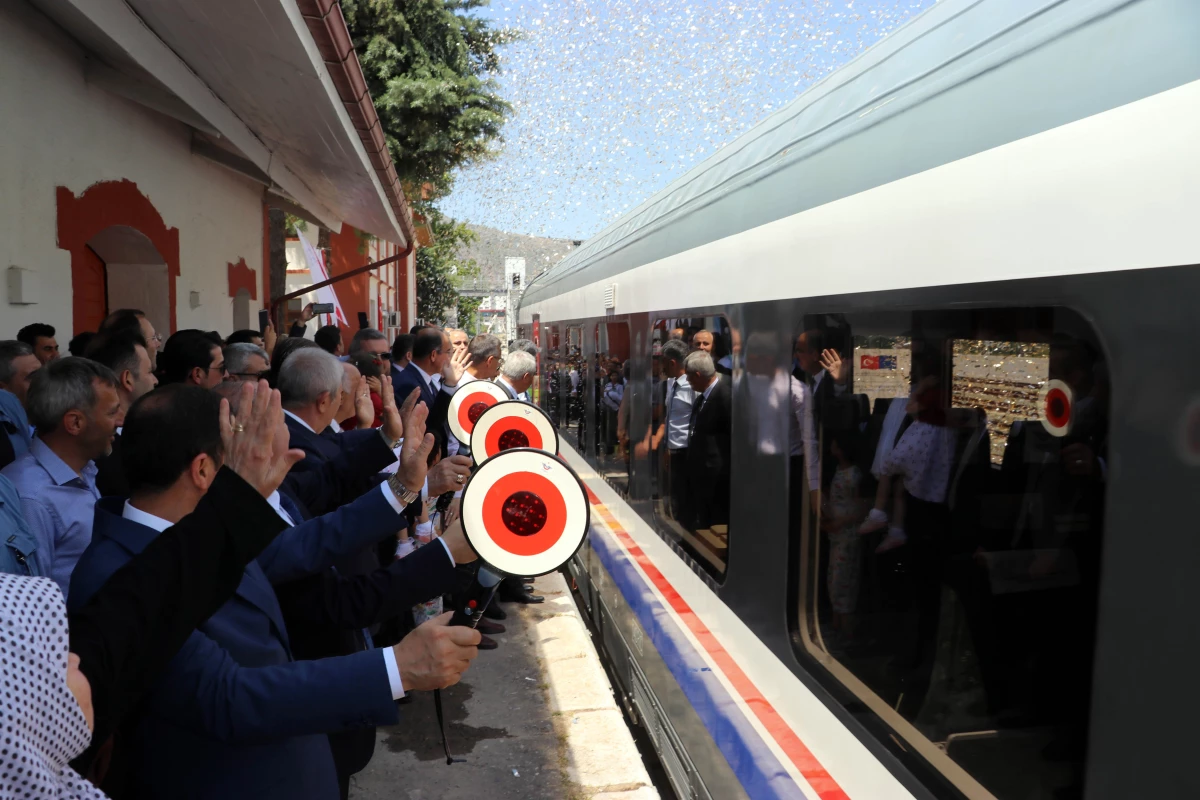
671 437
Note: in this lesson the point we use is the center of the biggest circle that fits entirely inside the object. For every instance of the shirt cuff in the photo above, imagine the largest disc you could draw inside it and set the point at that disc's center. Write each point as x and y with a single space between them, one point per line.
393 501
393 672
449 555
451 389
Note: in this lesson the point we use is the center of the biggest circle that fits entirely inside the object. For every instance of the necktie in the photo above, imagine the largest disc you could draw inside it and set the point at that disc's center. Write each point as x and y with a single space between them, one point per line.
292 510
697 404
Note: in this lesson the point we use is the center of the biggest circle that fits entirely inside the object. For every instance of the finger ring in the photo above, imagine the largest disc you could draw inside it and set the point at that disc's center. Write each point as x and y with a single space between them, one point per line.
239 428
459 479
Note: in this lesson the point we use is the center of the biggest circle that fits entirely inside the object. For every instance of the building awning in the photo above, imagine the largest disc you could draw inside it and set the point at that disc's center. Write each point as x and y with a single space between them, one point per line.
271 88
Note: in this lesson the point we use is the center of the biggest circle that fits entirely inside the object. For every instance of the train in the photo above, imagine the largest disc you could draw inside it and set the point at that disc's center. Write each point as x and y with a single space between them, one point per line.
985 229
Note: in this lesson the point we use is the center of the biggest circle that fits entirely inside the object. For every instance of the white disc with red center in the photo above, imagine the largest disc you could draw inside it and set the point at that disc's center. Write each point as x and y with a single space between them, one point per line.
468 404
1056 407
509 425
525 512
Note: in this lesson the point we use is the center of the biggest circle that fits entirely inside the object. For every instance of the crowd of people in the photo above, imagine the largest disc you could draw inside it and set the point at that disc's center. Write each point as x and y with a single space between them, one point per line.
226 560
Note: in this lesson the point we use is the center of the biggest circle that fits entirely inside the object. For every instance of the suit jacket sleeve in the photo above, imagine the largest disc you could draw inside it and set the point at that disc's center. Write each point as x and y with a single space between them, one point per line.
365 600
325 484
206 691
130 629
314 545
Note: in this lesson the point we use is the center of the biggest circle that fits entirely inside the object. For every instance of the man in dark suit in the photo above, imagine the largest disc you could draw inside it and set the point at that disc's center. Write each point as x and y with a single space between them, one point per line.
436 371
708 449
234 715
126 354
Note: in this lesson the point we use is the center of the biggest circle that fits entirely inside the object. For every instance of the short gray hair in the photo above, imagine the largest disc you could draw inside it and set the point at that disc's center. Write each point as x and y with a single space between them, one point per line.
363 335
525 346
350 374
238 355
10 351
674 350
64 385
307 374
701 363
518 365
483 347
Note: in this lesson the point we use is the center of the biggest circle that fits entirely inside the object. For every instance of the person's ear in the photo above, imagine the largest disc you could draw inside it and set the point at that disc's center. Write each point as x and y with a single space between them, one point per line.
203 471
74 422
127 380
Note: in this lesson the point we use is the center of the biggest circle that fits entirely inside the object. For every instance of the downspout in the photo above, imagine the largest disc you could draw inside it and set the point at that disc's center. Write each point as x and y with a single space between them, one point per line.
403 254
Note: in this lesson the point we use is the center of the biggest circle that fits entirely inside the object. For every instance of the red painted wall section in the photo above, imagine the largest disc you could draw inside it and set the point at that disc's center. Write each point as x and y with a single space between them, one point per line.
89 285
103 205
353 293
242 277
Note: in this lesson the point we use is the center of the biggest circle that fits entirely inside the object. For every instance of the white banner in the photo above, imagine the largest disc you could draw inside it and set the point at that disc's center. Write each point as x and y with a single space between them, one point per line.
316 268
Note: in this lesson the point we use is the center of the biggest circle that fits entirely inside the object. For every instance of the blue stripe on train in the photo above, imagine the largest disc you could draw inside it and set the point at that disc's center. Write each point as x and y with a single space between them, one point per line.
756 767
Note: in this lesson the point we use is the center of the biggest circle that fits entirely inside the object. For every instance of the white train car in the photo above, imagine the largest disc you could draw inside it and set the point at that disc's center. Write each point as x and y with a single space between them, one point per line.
993 218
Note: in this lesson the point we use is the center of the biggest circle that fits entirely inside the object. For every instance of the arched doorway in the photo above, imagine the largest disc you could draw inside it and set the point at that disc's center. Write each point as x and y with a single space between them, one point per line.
135 274
122 254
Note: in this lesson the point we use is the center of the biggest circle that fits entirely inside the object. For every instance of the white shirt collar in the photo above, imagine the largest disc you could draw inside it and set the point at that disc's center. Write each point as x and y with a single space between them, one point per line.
424 375
508 387
307 427
712 385
273 501
142 518
333 423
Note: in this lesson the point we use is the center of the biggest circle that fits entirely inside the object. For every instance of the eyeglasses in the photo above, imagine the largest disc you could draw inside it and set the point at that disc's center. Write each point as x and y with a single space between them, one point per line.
384 356
156 338
251 376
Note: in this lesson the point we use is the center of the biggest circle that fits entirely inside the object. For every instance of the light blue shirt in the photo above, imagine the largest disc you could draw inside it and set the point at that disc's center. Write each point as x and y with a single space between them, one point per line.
680 397
59 507
18 547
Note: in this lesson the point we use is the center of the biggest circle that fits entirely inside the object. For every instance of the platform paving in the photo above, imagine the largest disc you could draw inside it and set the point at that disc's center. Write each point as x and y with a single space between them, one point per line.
534 719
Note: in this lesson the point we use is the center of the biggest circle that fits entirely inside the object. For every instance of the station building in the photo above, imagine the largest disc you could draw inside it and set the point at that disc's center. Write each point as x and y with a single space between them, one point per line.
144 144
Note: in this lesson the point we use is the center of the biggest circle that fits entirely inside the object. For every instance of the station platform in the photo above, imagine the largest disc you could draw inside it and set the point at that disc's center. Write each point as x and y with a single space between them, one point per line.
535 719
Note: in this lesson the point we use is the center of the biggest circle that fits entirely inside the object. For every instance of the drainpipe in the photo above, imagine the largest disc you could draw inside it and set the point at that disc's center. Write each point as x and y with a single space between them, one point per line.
403 254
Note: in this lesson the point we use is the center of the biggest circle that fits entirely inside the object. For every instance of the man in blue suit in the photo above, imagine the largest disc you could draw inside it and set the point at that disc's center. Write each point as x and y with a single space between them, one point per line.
436 371
234 715
401 354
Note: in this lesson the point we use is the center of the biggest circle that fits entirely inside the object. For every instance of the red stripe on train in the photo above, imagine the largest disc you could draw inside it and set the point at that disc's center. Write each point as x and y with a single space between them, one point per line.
807 764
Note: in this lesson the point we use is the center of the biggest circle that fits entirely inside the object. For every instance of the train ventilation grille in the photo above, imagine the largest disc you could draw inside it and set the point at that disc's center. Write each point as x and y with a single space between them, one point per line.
669 751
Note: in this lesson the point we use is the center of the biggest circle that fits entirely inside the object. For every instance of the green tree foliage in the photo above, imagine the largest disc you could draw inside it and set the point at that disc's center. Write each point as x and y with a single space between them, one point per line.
440 271
430 67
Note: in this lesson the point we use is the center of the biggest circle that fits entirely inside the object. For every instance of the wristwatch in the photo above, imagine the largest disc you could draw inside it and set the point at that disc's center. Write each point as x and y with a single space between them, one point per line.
402 492
391 443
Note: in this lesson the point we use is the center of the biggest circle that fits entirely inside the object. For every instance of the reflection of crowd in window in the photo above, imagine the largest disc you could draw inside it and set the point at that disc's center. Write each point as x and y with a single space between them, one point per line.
959 574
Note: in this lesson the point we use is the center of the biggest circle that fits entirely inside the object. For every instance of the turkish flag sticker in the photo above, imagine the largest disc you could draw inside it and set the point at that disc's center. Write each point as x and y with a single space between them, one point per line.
468 404
512 424
1056 407
525 512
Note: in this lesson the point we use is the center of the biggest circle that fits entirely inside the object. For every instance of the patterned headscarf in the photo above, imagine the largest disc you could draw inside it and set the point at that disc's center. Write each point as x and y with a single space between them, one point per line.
44 727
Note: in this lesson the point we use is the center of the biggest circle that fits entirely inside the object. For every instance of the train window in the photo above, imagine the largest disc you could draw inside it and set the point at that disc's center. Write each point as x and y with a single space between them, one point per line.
611 374
570 371
551 344
950 565
688 442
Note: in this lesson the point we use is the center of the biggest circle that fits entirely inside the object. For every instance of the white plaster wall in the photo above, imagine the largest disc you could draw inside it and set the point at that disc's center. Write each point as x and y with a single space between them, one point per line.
56 130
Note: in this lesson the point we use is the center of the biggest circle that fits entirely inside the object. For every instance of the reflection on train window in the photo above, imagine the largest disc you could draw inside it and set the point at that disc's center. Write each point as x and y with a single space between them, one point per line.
609 377
688 443
951 562
569 368
550 352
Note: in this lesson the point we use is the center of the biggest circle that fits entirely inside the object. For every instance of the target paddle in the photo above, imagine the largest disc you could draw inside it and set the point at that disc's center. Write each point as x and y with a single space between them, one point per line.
468 404
512 424
1056 407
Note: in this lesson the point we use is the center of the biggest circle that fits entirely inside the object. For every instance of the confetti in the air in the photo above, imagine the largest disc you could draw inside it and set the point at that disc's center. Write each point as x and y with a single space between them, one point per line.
613 99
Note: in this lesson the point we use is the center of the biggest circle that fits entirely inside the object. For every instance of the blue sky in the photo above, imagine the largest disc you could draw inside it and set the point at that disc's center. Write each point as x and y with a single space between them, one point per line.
613 99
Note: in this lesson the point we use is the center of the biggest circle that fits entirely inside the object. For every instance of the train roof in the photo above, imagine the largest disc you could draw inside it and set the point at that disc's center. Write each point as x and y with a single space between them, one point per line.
963 77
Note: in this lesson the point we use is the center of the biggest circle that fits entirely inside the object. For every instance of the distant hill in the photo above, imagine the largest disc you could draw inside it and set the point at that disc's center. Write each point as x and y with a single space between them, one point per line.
493 246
